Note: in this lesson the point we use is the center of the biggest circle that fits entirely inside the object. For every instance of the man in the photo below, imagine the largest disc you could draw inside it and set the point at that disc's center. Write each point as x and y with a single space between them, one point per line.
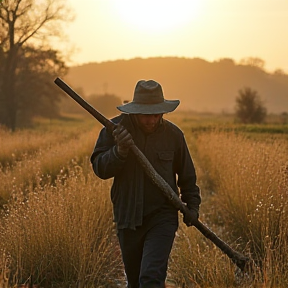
146 221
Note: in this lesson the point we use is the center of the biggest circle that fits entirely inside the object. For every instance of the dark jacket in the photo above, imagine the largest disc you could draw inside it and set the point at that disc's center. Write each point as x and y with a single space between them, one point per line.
133 194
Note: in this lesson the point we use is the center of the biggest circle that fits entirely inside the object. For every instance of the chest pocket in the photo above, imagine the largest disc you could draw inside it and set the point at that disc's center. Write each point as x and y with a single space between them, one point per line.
166 155
165 160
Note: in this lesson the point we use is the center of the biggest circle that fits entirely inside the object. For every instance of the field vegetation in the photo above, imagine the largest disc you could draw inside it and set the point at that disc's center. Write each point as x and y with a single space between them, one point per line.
56 217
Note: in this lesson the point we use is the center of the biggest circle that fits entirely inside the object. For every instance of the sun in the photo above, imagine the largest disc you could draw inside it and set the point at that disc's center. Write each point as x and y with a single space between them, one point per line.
157 16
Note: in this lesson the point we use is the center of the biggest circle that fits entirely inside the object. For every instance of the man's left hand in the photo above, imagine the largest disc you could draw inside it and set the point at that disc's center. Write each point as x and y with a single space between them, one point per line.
191 217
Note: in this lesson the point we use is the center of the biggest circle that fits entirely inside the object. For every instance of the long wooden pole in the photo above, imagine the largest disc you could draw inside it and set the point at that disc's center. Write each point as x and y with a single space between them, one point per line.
239 259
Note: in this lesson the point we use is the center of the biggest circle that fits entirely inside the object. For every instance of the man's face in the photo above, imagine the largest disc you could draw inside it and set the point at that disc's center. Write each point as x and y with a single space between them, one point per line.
148 122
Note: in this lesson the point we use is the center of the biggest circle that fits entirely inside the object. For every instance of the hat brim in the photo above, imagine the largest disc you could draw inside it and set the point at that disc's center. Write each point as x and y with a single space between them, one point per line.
159 108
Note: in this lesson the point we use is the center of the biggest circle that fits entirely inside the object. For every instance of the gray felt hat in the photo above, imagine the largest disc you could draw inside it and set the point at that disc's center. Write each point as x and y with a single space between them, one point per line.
148 99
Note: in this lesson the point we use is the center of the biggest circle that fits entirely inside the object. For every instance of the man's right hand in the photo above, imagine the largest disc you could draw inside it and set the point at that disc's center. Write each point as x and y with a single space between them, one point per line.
123 140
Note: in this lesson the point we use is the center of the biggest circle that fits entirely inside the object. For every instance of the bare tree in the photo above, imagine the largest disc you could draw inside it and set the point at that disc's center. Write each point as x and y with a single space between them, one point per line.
26 29
249 107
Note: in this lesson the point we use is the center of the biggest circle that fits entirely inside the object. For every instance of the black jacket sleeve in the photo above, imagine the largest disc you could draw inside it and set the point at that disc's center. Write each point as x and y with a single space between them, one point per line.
189 191
106 162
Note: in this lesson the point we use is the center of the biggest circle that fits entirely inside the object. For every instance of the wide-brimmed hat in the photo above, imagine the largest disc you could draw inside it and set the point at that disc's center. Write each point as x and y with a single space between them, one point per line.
148 99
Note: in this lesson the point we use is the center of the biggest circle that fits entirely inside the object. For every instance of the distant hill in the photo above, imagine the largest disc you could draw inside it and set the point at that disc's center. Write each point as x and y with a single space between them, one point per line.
200 85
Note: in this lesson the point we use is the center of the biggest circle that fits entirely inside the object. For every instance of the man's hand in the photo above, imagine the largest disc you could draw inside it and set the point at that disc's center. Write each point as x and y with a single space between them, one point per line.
123 140
191 217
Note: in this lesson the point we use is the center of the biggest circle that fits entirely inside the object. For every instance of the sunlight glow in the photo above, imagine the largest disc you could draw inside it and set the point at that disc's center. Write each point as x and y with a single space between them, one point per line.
157 16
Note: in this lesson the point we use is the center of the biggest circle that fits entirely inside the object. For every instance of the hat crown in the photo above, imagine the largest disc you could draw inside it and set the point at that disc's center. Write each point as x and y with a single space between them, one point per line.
148 92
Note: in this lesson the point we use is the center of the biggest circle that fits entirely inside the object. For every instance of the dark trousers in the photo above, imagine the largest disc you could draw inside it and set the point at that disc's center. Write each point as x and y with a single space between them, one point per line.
146 250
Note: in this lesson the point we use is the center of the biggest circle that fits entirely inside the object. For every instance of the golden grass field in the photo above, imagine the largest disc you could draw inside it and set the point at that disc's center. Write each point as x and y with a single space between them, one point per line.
56 217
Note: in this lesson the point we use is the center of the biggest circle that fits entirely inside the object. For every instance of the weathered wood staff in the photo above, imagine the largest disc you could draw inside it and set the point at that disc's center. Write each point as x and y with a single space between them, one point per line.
239 259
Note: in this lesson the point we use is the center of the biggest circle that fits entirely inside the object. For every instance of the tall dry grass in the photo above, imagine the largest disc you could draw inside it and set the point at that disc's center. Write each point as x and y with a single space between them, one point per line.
62 234
45 163
57 231
26 143
56 222
248 197
196 262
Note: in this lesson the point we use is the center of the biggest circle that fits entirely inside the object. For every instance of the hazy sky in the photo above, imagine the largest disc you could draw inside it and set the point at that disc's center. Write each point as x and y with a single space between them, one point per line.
209 29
